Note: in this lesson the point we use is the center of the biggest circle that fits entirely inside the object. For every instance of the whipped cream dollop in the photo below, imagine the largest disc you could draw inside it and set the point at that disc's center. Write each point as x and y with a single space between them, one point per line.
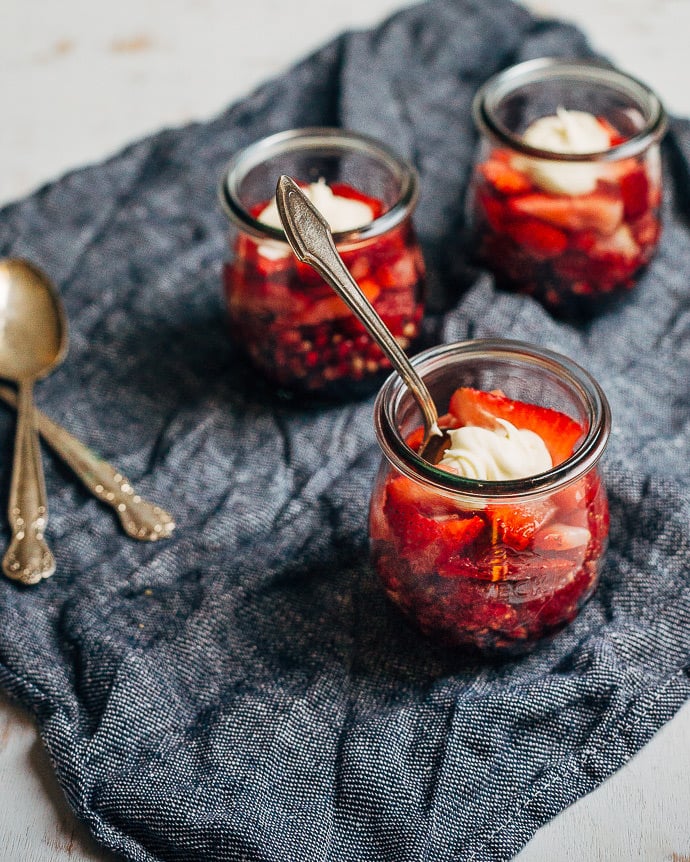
565 132
495 454
341 213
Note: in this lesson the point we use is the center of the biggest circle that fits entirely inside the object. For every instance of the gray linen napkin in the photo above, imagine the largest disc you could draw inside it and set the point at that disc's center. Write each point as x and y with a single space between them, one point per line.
243 691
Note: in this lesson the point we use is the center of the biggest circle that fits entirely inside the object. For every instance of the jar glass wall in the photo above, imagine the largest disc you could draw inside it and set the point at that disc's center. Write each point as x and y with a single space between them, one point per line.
565 198
289 321
492 566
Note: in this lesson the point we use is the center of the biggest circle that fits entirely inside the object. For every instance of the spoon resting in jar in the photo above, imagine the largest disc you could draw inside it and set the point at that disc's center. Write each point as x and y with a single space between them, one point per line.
33 340
310 238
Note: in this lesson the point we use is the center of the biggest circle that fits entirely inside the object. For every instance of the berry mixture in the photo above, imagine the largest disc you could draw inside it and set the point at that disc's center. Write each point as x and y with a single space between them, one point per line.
299 332
571 251
499 577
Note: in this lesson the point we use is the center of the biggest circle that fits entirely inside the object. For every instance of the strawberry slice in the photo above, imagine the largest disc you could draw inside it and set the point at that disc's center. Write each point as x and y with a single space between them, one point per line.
516 526
539 239
559 432
416 532
402 494
615 136
619 247
635 192
646 230
420 517
596 211
504 178
331 307
561 537
493 208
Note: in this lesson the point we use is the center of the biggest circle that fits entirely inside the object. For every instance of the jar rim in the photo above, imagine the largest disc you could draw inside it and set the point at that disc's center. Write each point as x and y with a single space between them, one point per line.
500 85
408 462
336 139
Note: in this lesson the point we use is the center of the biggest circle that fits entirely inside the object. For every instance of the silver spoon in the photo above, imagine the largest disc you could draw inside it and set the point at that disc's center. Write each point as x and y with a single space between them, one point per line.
310 237
33 340
140 519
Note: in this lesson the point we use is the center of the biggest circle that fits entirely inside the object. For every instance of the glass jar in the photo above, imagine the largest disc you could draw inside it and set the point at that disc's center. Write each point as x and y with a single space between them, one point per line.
573 229
493 566
290 322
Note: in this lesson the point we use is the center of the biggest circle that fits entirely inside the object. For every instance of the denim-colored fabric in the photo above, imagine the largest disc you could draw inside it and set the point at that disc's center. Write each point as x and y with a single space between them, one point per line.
243 691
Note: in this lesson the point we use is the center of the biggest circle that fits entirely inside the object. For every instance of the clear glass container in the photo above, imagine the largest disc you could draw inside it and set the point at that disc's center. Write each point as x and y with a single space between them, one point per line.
493 566
290 322
572 229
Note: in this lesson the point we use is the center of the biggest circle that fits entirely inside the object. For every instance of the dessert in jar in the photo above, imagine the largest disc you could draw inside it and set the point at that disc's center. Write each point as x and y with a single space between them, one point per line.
500 543
292 325
565 198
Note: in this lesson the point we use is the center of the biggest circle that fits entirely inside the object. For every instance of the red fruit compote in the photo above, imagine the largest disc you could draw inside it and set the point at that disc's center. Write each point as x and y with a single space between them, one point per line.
498 545
289 321
566 194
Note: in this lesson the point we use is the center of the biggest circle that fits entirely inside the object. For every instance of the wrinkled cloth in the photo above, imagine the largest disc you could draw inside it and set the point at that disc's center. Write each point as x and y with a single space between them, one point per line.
244 691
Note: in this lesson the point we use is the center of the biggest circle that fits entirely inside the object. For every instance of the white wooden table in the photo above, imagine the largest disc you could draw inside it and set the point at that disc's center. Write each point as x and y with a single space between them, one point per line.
81 80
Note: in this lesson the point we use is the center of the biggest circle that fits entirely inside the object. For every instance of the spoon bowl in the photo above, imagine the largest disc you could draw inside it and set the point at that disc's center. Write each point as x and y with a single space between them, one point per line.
310 238
33 340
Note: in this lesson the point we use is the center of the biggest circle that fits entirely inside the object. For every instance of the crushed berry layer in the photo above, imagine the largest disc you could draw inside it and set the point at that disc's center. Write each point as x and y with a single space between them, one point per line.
300 333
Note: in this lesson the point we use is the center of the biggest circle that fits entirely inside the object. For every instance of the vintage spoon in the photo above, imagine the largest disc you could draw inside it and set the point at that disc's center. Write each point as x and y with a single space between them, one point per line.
33 340
140 519
310 237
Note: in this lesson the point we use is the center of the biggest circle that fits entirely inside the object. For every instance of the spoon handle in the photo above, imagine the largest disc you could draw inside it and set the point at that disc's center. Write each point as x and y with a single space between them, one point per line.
28 558
140 519
311 239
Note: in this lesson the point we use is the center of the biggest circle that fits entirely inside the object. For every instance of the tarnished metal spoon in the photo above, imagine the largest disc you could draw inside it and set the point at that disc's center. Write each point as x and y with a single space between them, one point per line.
310 237
33 340
140 518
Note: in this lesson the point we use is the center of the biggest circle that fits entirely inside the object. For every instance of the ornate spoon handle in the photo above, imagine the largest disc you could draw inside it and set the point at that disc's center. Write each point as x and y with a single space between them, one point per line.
310 238
140 519
28 558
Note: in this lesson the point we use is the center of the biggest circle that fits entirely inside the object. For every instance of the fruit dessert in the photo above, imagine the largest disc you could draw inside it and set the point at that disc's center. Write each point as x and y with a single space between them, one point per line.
293 325
483 571
573 234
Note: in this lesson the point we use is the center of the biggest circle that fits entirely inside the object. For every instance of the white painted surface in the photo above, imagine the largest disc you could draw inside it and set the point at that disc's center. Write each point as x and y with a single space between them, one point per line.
80 80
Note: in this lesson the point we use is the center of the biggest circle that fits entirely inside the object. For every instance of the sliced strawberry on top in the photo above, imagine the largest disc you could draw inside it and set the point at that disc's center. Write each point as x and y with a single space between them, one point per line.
504 178
598 211
559 432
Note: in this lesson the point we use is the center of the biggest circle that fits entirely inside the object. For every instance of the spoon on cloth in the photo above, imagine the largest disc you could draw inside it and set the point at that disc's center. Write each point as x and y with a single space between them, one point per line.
33 340
310 237
139 518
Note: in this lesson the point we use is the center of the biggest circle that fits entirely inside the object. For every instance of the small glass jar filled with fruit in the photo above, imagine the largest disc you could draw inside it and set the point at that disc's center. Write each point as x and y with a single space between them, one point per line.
565 198
499 543
289 321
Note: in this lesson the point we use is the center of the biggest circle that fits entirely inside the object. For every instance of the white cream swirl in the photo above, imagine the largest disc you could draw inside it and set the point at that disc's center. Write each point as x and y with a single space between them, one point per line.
565 132
495 454
340 212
